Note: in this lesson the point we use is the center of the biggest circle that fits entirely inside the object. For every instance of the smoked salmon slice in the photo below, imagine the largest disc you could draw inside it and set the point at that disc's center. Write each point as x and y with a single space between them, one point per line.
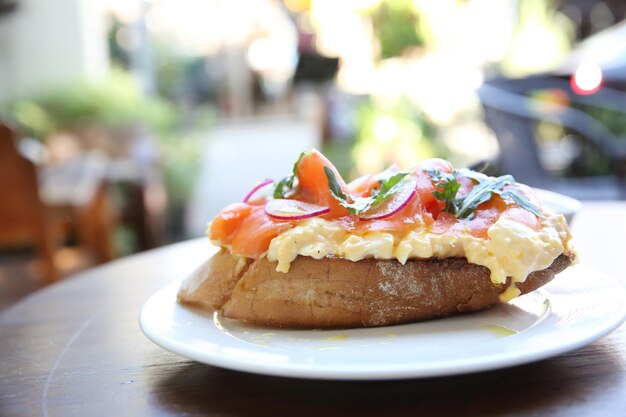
247 229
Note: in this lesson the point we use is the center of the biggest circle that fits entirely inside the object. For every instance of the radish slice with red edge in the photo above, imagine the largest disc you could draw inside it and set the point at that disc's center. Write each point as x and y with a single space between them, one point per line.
407 189
249 197
283 209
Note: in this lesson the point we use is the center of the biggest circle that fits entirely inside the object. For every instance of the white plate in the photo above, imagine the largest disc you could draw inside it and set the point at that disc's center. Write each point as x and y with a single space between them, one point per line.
559 203
578 307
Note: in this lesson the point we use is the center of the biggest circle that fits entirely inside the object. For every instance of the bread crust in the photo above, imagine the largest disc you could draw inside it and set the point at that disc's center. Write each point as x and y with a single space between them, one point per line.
212 283
339 293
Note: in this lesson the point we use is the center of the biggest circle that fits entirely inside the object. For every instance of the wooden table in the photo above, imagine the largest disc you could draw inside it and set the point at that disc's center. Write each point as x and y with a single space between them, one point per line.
75 349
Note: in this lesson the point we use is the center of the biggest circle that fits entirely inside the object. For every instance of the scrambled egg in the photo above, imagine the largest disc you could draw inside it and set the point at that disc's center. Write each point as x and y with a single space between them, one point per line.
511 250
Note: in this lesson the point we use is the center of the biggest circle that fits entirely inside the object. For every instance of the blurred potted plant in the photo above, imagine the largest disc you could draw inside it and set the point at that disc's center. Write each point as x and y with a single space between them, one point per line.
113 115
99 114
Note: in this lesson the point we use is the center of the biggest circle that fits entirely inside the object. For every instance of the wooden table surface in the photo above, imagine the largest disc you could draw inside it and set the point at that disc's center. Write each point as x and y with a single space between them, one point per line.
75 349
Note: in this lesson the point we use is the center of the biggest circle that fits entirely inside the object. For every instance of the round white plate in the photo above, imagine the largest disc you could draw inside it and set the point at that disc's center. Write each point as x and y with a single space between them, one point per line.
578 307
559 203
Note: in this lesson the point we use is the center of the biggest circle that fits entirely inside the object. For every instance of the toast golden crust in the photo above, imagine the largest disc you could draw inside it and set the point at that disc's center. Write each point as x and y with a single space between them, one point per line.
338 293
212 283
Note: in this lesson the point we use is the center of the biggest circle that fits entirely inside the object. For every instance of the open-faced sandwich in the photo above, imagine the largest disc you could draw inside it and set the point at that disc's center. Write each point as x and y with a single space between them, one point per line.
311 251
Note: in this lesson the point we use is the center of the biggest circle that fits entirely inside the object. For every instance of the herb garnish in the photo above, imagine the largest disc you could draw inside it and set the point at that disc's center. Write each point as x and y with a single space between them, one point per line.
285 187
386 189
448 187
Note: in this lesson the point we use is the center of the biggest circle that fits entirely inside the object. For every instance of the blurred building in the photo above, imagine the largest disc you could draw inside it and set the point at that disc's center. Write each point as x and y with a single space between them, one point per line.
45 43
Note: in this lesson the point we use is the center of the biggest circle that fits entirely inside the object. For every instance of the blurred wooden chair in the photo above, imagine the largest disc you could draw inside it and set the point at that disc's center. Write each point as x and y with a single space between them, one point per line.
23 217
42 206
75 194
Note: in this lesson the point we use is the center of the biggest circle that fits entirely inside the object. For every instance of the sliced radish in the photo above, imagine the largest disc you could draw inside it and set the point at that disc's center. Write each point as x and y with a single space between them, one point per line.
407 189
283 209
249 197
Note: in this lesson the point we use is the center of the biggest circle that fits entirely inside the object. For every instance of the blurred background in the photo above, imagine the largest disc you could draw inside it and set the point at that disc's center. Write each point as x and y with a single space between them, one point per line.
127 124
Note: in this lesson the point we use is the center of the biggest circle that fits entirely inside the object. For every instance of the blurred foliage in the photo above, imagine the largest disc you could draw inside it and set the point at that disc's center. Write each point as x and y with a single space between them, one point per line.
184 80
541 40
587 157
396 26
113 103
119 56
394 133
613 120
191 79
170 68
591 160
339 152
181 156
568 154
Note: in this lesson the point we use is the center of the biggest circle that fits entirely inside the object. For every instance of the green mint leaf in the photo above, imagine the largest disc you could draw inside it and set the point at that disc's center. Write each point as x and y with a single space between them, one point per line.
481 193
449 188
333 185
295 166
467 207
335 188
356 207
284 187
485 188
388 187
521 200
361 204
338 194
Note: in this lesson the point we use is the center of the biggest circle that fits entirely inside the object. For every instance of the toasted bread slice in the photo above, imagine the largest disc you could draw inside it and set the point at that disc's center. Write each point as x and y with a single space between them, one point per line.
339 293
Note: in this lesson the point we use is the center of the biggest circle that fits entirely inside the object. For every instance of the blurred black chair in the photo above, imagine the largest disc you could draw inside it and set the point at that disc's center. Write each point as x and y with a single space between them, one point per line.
315 68
511 112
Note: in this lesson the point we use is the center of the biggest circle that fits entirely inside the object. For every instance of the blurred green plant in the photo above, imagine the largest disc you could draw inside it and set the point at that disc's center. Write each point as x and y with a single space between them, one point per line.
396 26
541 41
613 120
113 103
394 133
591 160
181 155
339 152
